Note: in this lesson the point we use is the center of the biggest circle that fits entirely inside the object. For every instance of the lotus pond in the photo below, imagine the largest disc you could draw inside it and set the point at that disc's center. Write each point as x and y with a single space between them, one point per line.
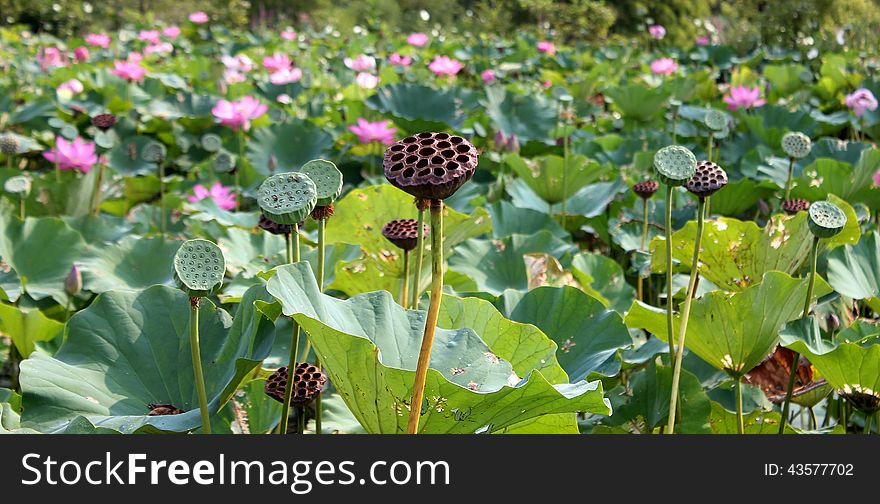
213 231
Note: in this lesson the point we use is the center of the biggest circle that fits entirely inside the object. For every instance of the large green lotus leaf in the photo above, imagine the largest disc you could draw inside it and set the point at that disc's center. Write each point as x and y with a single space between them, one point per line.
287 146
603 278
129 349
734 332
249 253
826 176
854 270
735 254
41 251
757 422
133 263
741 196
206 210
100 228
544 174
127 157
529 117
508 220
27 326
589 201
648 402
638 102
587 333
10 421
495 265
417 108
369 346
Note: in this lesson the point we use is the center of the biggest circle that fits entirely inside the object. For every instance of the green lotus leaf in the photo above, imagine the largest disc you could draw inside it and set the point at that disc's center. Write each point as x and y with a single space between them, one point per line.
26 327
327 179
757 422
206 210
287 198
132 263
734 332
825 176
127 158
854 270
740 196
199 267
590 201
508 219
603 278
369 346
544 174
415 107
130 349
639 102
41 251
101 228
283 147
529 117
587 333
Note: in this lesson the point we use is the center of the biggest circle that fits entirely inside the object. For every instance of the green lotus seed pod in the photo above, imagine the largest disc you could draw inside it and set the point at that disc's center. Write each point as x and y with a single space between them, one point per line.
715 120
18 186
796 144
211 142
224 162
199 267
154 152
675 165
287 198
826 219
327 179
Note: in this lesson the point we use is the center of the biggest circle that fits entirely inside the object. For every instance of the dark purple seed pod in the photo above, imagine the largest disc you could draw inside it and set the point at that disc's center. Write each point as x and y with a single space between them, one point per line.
273 227
104 121
403 232
308 382
793 206
163 409
430 165
708 179
646 189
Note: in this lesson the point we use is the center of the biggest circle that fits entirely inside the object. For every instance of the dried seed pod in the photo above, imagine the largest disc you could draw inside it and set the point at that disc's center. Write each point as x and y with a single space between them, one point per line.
866 401
715 120
404 232
154 152
430 165
8 144
273 227
104 121
793 206
327 179
646 189
675 165
707 179
308 382
18 186
211 142
163 409
796 144
323 212
199 267
287 198
826 219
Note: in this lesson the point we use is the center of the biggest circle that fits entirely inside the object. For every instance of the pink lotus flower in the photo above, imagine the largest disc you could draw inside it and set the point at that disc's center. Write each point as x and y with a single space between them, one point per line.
861 101
98 40
657 31
232 77
397 59
171 32
240 63
742 97
198 17
547 47
276 62
877 178
288 35
238 114
71 87
130 69
50 57
664 66
488 76
366 80
76 155
284 98
417 39
702 40
221 195
362 63
81 53
151 36
368 132
285 76
160 48
547 83
444 65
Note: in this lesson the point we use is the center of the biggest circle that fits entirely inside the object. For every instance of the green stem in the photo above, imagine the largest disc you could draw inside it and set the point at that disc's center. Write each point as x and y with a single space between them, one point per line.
66 318
740 426
162 196
21 211
685 314
709 148
420 253
289 247
868 419
322 223
564 172
15 359
96 191
238 168
300 420
644 244
814 422
814 252
788 180
293 254
669 294
404 294
197 363
418 395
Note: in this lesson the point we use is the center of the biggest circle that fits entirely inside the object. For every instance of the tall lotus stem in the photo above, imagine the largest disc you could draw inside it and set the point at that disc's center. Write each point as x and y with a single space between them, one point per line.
669 294
431 320
644 190
797 146
238 168
294 255
404 294
740 425
197 363
563 119
420 252
96 191
644 244
788 180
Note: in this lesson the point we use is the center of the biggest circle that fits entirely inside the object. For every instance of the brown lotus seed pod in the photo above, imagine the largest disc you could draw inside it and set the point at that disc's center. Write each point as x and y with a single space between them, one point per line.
403 232
430 165
323 212
8 144
275 228
646 189
708 179
793 206
308 382
104 121
163 409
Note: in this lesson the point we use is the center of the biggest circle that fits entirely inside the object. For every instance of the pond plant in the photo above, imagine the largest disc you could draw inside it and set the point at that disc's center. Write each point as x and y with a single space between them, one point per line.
644 190
796 145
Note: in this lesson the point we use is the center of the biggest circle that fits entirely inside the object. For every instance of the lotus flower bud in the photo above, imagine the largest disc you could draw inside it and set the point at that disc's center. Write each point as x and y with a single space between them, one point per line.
500 141
832 322
74 282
